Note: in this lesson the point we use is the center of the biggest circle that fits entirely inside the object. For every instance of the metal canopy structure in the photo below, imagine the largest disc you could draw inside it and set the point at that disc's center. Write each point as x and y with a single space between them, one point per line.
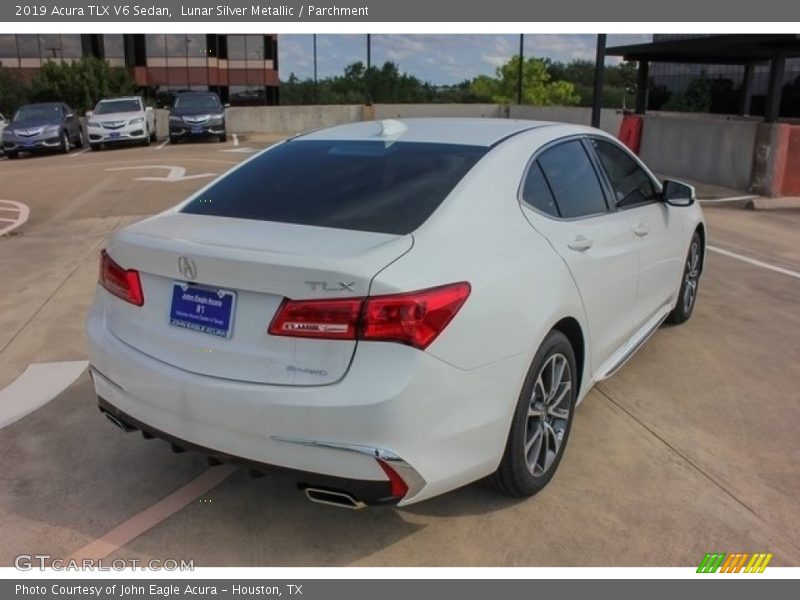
747 50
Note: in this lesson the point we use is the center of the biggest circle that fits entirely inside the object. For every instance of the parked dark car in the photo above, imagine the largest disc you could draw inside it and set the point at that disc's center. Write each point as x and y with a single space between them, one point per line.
43 127
197 115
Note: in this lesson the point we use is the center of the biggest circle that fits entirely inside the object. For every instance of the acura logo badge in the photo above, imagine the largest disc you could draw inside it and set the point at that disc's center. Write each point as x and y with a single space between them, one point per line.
188 268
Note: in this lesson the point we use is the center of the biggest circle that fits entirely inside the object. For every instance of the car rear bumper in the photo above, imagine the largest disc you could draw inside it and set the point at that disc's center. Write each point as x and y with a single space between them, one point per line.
363 492
448 426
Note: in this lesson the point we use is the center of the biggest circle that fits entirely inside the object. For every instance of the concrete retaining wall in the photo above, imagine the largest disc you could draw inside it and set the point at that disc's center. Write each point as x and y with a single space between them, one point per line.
716 151
289 119
708 148
610 119
410 111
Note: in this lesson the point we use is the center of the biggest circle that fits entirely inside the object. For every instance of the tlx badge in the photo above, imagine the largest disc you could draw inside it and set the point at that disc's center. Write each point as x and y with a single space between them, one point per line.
324 286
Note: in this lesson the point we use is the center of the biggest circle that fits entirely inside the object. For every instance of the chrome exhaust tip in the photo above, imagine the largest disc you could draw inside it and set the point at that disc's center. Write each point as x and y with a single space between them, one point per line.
332 498
124 426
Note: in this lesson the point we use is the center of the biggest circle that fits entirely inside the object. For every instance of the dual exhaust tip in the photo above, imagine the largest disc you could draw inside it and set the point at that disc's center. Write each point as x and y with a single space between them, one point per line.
338 499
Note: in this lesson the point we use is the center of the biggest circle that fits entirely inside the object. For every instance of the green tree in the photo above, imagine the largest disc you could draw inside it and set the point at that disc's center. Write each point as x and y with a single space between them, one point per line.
538 85
13 92
80 83
619 81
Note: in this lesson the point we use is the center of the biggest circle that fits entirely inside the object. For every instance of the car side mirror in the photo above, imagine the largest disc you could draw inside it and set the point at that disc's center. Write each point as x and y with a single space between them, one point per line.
677 193
70 115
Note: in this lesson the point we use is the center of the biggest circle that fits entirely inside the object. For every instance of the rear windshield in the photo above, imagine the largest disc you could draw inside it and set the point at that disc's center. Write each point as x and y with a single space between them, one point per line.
367 186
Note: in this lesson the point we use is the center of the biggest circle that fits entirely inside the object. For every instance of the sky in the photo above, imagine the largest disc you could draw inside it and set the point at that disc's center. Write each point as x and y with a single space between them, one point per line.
438 59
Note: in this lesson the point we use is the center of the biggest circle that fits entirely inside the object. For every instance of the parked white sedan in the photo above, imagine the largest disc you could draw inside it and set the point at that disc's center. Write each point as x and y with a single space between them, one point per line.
119 120
394 309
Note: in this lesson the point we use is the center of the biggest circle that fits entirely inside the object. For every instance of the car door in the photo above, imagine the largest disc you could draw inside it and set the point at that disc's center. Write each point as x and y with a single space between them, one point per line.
564 199
637 195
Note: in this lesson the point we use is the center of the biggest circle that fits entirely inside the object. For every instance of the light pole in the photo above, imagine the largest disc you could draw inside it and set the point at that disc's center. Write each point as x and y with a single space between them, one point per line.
369 66
519 69
316 95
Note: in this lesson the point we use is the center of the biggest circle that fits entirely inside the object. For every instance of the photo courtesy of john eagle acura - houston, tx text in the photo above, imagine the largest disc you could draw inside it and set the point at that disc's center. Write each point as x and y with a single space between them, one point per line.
393 309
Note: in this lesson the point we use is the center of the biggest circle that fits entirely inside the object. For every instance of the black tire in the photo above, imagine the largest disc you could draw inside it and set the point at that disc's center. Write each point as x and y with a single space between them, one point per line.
65 145
223 137
514 476
153 137
80 142
690 282
12 155
96 147
146 141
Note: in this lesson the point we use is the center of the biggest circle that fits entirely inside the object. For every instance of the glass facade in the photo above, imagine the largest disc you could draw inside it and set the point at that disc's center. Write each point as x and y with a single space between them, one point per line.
242 69
671 83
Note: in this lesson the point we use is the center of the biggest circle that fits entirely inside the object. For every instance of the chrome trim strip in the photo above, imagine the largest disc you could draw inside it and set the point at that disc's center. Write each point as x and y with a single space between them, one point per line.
632 350
412 478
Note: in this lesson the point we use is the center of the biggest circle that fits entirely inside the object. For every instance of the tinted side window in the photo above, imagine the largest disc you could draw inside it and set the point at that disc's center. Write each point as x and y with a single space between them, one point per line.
536 192
630 183
573 180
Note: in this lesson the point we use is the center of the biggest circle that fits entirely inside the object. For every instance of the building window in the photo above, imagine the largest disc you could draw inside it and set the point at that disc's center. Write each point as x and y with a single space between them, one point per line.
255 47
8 46
50 46
196 46
28 46
236 49
114 46
176 45
156 45
71 46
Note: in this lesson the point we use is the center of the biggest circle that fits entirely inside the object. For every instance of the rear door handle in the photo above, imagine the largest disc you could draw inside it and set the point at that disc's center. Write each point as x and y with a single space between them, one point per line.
580 244
641 230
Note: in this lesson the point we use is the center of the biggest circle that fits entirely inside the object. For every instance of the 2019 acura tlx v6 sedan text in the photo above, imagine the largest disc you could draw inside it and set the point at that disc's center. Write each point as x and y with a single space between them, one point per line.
394 309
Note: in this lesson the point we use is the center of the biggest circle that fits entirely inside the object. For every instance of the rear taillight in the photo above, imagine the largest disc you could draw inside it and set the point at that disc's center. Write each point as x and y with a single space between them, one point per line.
122 283
330 319
415 318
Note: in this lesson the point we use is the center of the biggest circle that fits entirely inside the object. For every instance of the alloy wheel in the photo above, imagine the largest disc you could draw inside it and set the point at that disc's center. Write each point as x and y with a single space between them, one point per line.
548 414
691 277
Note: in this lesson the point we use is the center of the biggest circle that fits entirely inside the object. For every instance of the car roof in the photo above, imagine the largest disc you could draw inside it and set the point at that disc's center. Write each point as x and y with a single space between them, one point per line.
43 104
463 131
119 98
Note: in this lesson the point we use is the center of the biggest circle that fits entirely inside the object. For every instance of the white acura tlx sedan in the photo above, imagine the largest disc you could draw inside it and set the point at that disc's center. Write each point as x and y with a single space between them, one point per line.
390 310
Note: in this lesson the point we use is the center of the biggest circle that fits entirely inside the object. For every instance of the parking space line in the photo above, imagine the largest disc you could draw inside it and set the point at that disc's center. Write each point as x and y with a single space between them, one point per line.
755 262
235 140
39 384
74 154
162 144
15 220
150 517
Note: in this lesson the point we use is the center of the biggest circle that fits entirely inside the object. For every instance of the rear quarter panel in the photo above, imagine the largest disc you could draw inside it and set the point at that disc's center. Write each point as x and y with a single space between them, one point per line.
520 287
